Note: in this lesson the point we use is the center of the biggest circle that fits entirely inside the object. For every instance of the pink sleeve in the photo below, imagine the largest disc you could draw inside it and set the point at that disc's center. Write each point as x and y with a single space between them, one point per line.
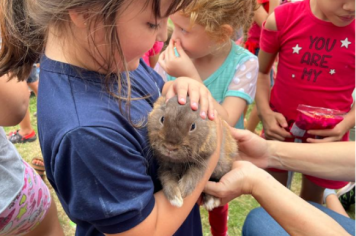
269 41
157 47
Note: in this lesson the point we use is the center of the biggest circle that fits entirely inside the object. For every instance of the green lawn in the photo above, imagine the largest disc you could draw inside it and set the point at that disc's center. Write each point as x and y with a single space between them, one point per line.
238 208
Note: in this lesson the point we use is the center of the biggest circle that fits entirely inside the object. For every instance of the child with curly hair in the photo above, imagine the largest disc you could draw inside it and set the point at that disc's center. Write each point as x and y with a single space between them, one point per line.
202 47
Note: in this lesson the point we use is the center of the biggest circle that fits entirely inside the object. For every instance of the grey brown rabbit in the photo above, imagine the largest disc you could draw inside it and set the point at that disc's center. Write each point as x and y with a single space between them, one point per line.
183 142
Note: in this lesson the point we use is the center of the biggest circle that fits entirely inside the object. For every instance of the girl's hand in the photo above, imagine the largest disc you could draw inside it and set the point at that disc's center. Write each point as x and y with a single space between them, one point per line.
330 135
198 94
274 125
240 180
177 65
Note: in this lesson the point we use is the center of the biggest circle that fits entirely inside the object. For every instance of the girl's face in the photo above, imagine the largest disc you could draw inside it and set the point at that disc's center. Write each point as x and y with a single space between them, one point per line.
194 39
339 12
138 30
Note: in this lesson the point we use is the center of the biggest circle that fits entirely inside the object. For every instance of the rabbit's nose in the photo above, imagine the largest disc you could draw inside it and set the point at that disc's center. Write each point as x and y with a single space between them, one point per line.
170 147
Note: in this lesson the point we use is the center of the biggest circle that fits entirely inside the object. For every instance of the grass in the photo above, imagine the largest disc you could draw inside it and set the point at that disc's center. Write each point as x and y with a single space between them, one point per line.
238 208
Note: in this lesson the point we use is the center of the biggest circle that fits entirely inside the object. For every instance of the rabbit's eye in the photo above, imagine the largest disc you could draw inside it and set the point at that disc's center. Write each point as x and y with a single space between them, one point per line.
192 127
162 120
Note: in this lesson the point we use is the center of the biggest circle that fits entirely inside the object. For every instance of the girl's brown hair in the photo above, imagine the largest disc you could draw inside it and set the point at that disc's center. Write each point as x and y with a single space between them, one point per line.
25 25
212 14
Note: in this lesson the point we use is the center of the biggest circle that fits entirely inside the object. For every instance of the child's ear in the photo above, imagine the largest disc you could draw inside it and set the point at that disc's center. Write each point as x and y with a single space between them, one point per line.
226 32
78 19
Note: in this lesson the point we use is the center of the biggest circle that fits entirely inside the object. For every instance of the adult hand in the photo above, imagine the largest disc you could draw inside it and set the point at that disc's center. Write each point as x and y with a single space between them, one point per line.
274 125
238 181
252 148
177 65
197 92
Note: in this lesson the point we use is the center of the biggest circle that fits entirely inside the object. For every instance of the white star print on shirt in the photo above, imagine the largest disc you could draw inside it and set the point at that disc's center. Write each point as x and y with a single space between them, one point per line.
296 49
332 71
345 43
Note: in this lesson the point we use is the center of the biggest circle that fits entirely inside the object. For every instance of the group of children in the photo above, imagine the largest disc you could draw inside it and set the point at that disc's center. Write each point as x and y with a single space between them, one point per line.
95 93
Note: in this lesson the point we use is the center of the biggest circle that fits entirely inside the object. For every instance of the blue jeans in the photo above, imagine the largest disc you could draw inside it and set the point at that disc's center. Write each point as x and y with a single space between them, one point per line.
259 222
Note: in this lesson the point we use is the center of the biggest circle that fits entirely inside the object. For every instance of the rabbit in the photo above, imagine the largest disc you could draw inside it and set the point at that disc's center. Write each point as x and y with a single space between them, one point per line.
182 142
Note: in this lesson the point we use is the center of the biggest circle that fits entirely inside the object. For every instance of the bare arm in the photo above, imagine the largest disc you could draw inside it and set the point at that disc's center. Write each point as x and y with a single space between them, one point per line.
274 123
272 5
165 219
265 61
335 161
14 97
295 215
260 13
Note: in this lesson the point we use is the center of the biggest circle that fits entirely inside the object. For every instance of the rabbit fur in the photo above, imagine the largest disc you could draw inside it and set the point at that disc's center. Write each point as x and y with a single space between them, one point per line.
183 142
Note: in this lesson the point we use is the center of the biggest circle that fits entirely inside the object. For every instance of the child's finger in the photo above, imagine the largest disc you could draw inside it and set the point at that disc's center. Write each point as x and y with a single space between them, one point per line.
170 93
181 90
211 110
274 136
282 120
194 96
204 103
325 133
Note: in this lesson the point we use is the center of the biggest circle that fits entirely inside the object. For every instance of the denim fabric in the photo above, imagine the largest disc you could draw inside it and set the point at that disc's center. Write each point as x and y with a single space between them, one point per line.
259 222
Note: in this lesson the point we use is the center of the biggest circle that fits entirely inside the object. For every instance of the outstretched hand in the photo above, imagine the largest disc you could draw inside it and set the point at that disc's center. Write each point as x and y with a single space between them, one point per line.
238 181
252 148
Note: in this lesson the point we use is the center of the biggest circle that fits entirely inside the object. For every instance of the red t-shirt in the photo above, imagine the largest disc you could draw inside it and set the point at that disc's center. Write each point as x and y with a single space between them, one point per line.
316 61
255 31
316 65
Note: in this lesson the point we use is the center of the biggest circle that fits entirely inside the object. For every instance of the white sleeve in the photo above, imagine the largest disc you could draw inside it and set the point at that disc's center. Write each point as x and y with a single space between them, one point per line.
161 72
245 79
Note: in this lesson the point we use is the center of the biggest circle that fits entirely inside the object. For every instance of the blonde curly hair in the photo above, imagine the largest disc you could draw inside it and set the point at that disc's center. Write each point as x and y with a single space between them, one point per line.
212 14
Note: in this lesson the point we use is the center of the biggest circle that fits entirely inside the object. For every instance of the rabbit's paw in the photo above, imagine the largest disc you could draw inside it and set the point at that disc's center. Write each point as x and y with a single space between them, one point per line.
211 202
177 201
187 185
174 195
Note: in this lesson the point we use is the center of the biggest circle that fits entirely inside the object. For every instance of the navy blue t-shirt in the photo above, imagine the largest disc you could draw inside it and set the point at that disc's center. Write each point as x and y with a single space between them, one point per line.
99 165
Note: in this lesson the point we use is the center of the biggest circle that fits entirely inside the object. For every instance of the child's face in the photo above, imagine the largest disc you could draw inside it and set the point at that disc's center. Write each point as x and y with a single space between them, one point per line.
138 30
194 39
339 12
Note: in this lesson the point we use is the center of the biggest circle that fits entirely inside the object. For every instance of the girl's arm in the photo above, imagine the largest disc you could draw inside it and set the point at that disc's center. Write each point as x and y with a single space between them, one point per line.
260 14
14 97
241 91
273 122
294 214
165 219
272 5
